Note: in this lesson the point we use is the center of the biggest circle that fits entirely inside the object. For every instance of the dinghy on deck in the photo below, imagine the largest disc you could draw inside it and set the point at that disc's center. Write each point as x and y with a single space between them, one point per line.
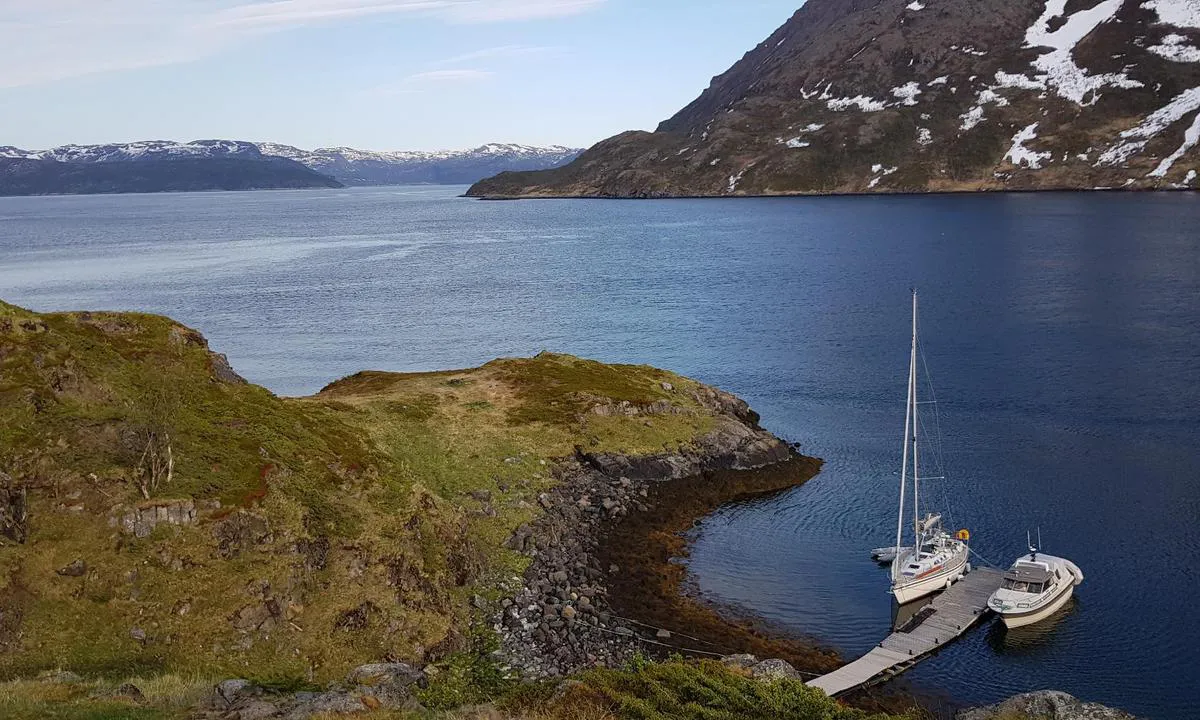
885 555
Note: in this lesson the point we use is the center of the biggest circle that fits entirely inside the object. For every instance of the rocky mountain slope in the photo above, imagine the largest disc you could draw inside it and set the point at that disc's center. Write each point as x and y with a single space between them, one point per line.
855 96
451 167
163 166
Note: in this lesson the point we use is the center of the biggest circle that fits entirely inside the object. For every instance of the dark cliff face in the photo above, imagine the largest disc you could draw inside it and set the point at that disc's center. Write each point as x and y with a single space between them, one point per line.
924 95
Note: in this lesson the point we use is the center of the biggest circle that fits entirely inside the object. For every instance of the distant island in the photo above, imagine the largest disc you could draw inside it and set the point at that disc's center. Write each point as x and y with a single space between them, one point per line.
881 96
167 166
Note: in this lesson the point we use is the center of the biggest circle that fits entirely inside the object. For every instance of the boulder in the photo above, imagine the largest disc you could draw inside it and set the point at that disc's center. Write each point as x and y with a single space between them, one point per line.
142 520
256 710
394 675
774 670
1044 705
77 568
329 703
129 691
229 692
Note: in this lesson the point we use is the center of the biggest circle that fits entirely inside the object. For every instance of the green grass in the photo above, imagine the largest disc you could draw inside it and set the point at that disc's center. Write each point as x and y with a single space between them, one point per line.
467 686
679 690
363 518
165 697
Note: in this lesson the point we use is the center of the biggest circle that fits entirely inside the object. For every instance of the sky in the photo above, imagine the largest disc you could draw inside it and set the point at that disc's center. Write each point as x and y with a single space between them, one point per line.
371 74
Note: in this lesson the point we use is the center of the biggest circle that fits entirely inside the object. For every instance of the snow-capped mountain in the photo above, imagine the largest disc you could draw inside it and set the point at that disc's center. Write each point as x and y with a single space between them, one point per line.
452 167
347 165
146 150
925 95
151 166
65 169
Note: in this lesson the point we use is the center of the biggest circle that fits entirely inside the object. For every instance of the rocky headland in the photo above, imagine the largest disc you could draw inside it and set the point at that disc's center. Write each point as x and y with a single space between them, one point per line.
601 585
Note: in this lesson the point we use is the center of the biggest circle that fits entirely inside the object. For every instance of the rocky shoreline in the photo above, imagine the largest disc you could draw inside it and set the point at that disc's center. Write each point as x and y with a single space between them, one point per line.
601 586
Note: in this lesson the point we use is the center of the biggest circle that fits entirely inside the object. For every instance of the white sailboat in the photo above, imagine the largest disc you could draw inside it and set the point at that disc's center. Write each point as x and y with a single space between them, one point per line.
935 559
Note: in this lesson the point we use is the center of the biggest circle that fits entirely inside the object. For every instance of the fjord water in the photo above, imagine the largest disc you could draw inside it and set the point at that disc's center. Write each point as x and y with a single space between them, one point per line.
1062 332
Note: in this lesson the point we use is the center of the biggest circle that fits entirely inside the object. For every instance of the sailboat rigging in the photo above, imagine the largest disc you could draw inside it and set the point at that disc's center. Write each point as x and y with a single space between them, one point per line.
936 559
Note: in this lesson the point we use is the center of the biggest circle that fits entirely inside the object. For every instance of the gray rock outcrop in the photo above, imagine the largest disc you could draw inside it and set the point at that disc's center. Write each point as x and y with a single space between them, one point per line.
1044 705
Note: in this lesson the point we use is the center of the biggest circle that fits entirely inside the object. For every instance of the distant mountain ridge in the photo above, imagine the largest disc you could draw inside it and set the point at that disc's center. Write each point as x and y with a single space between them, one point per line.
863 96
446 167
151 167
101 168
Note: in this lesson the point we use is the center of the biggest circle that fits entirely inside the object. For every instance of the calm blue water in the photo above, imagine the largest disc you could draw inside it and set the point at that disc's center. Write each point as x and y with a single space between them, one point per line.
1062 333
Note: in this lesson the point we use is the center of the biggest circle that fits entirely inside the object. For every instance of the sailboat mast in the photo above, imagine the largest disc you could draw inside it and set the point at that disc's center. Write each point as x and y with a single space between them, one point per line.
909 409
915 424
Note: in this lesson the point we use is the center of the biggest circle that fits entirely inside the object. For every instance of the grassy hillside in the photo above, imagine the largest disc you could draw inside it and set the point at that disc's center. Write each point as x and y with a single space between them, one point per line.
160 515
674 690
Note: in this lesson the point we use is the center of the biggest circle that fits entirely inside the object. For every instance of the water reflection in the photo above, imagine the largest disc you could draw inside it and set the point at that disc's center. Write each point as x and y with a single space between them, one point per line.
1029 639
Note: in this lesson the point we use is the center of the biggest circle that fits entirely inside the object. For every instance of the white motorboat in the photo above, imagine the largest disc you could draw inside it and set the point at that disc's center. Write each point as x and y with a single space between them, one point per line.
1034 588
936 559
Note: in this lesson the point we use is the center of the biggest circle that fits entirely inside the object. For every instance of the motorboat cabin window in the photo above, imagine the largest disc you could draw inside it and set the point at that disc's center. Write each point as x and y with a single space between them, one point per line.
1015 585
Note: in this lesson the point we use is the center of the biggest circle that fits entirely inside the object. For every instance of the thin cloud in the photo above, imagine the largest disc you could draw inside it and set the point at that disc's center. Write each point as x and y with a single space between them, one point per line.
44 41
423 81
277 14
503 51
442 76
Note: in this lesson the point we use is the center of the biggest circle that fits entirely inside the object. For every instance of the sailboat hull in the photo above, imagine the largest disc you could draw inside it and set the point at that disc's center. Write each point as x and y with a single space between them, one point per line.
941 579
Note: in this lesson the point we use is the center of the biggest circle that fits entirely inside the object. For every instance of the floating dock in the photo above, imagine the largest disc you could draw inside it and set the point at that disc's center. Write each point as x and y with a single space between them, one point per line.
937 624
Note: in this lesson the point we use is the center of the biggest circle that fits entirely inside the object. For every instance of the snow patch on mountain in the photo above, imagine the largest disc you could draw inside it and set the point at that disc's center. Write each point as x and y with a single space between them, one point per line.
1191 136
862 102
1180 13
8 151
880 172
1020 155
907 93
971 118
1060 72
1174 47
735 179
1135 138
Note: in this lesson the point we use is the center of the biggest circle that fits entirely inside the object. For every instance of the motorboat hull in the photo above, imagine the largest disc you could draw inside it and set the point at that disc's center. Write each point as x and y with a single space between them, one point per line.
914 590
1018 617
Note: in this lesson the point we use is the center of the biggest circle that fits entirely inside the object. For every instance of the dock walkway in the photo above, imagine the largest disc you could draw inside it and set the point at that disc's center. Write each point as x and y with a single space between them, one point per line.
945 619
